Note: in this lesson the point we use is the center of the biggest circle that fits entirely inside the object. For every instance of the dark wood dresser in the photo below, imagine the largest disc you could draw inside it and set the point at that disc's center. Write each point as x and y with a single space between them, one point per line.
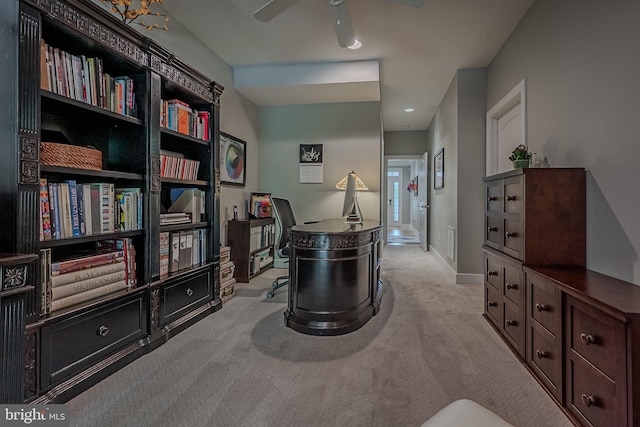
576 330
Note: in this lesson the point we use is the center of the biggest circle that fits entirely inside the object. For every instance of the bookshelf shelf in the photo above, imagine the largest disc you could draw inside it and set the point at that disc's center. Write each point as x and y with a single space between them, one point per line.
252 246
86 79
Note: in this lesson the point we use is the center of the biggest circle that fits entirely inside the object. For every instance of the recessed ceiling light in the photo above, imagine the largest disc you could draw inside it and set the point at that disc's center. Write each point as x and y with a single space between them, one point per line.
356 45
409 110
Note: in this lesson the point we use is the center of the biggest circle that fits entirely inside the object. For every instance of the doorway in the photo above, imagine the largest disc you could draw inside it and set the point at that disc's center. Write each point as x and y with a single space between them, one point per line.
402 212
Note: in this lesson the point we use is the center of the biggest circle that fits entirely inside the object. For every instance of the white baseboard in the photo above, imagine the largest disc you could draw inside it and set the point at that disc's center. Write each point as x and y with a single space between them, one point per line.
455 277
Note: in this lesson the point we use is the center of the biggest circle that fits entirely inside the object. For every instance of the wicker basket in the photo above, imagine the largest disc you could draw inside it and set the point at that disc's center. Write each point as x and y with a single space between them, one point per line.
70 156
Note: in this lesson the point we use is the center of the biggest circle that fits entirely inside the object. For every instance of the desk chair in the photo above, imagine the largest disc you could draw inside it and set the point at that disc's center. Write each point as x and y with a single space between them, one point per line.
284 216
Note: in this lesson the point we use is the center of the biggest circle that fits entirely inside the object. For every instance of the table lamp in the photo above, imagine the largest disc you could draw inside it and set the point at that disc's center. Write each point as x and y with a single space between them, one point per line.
351 184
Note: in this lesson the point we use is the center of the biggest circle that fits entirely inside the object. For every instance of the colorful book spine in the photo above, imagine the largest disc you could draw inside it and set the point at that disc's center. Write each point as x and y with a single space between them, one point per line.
88 273
56 224
73 207
45 210
85 262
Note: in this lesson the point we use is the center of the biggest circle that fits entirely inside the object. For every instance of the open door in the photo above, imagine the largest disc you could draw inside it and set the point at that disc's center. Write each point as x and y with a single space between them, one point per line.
423 200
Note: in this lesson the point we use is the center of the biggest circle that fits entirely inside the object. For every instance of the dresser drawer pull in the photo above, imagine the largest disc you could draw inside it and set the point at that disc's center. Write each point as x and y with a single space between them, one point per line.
492 304
587 339
542 307
103 331
511 198
588 400
511 322
491 198
492 273
511 286
492 229
189 292
541 354
509 234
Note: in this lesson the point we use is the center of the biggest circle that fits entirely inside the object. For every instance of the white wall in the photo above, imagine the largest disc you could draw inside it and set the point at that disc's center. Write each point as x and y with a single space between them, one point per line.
581 64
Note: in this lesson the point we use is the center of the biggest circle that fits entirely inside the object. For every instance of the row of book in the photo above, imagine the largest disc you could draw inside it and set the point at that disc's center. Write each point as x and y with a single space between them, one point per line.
72 209
174 165
261 236
69 282
83 79
182 249
178 116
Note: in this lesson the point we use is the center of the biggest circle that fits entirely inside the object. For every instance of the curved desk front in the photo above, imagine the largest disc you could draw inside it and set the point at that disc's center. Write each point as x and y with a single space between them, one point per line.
334 276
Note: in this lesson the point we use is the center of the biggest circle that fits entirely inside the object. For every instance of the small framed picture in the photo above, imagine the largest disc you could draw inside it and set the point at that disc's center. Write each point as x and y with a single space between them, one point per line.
233 160
438 169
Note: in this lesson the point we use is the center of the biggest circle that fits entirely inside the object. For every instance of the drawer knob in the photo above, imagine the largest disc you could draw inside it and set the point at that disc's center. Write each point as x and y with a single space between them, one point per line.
541 354
189 292
512 286
492 273
588 400
491 229
511 198
587 339
491 198
542 307
511 322
103 331
492 304
509 234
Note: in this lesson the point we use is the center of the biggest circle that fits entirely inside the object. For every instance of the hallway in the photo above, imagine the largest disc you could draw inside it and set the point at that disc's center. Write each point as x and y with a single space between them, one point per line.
401 235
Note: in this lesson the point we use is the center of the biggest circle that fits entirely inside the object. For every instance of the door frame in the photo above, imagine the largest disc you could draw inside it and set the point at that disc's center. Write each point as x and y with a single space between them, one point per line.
516 96
385 191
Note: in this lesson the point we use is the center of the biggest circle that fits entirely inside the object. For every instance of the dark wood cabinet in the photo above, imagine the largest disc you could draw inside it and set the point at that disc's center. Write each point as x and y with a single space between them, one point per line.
581 338
70 348
252 246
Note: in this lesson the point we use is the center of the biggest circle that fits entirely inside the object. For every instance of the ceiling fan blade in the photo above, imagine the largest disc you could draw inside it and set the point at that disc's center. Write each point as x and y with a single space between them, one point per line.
412 3
342 23
272 9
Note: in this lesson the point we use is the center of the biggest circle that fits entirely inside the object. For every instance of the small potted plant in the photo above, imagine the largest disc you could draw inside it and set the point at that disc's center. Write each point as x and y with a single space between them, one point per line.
520 156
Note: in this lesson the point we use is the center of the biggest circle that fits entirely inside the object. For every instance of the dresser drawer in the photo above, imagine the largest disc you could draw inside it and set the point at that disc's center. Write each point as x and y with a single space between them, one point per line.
514 326
492 271
513 284
545 303
179 298
593 396
493 305
596 336
545 357
77 342
513 195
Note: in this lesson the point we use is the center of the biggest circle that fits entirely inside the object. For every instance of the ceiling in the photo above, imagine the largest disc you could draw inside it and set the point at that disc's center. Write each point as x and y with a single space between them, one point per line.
418 50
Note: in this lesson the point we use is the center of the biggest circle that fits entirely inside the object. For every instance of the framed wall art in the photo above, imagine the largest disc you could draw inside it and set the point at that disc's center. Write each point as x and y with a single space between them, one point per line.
438 170
233 160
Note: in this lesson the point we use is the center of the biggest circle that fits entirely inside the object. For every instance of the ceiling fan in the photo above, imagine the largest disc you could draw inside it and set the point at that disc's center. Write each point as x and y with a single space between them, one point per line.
339 14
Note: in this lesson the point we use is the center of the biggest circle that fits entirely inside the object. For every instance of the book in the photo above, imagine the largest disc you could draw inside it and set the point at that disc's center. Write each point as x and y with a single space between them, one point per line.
44 66
88 273
45 275
73 206
164 253
45 211
126 246
174 254
63 291
88 295
87 209
54 211
67 266
183 262
65 209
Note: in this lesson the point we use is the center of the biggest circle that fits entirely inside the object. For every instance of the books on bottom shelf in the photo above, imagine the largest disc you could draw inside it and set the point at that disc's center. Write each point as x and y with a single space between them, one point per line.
227 290
70 282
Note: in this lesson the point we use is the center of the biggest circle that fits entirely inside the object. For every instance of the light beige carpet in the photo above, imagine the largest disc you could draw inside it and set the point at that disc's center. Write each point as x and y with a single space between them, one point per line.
428 346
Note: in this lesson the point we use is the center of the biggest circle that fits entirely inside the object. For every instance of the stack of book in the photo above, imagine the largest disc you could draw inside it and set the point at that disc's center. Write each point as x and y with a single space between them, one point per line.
175 218
83 79
74 281
178 116
72 209
180 250
227 281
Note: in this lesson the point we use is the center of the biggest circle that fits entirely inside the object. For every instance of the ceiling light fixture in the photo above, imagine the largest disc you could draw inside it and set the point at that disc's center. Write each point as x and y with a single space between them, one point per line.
409 110
356 45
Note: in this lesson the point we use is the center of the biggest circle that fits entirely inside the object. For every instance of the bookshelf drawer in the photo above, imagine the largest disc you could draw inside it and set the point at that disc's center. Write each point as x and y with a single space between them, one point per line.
179 298
80 341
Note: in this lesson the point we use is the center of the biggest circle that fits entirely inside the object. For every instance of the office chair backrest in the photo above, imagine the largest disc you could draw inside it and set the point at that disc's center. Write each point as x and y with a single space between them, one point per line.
285 217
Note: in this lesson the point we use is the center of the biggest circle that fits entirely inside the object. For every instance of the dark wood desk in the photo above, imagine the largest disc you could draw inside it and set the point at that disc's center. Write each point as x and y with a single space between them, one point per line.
334 276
